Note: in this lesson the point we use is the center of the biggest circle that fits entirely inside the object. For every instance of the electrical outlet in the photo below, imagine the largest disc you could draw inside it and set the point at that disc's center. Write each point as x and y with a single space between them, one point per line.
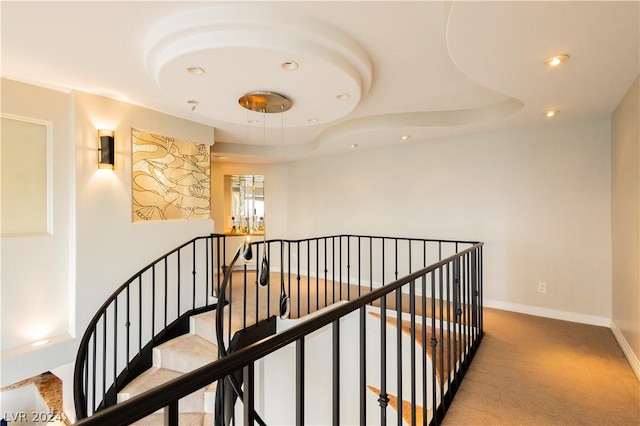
542 287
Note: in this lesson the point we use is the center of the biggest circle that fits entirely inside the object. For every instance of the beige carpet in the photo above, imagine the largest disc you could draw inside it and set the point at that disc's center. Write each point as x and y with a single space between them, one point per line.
537 371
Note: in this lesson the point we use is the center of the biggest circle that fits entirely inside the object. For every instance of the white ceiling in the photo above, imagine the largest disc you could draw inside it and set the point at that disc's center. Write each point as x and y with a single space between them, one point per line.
428 69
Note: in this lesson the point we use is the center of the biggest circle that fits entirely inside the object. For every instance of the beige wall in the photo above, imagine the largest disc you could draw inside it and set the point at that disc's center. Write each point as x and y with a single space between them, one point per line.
55 284
539 198
625 210
111 248
36 288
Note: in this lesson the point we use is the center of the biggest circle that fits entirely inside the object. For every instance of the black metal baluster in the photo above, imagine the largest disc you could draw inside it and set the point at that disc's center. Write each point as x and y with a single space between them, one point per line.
317 274
348 268
450 357
104 356
336 372
359 267
128 325
115 340
244 298
308 276
370 264
399 348
179 260
456 329
208 255
480 290
268 248
298 274
139 314
249 394
93 369
86 383
325 272
153 302
193 274
363 366
412 313
433 342
300 355
166 296
424 349
171 414
258 274
441 335
395 249
289 271
333 269
383 400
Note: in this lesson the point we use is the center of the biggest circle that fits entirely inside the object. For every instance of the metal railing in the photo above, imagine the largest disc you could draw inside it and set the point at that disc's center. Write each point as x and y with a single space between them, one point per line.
151 307
407 325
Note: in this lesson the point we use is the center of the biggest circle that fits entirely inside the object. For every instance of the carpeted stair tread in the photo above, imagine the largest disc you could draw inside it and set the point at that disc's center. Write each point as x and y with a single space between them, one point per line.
185 353
151 378
154 377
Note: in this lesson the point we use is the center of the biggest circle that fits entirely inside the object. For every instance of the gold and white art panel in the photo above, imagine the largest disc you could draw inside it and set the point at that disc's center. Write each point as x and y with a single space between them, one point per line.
171 178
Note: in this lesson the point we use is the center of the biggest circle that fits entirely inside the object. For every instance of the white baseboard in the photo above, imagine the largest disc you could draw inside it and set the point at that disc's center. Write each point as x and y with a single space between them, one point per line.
548 313
626 348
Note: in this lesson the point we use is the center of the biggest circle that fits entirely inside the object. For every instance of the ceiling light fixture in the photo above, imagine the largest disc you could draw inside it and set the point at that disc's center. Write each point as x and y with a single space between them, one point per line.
554 61
265 102
405 137
354 145
551 113
195 70
289 65
313 120
343 96
41 343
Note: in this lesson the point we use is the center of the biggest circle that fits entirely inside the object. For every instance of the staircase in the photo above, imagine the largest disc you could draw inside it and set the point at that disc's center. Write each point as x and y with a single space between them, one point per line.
174 358
375 334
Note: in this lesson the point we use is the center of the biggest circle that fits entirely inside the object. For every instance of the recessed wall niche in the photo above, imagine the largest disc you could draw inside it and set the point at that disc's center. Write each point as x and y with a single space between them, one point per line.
25 186
244 204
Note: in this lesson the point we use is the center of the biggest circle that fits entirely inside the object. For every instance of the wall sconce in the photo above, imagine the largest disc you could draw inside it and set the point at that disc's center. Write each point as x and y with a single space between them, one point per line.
106 149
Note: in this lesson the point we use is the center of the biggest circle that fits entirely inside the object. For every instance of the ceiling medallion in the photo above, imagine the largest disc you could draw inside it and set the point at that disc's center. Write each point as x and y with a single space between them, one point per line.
265 102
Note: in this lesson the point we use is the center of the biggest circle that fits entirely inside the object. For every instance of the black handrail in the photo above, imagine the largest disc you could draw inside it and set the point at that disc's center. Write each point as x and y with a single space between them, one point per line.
462 270
93 387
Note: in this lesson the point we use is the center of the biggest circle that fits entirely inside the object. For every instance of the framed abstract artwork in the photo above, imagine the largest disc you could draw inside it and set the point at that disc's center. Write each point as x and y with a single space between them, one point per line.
170 178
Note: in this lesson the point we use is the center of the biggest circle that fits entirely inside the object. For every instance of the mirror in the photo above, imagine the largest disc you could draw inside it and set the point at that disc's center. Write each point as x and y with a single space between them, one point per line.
246 204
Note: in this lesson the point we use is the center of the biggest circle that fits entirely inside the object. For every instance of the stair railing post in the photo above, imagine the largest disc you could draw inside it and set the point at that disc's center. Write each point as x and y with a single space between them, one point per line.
248 401
171 414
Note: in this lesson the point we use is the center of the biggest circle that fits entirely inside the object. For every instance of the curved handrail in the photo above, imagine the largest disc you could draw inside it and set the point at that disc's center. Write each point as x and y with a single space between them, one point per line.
80 369
81 390
164 395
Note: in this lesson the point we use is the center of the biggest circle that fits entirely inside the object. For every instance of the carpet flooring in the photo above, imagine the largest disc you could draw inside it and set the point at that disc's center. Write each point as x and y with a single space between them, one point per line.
538 371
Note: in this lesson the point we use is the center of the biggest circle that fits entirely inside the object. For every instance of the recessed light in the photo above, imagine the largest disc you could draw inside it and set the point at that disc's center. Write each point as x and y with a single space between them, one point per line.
313 120
554 61
405 137
253 122
343 96
551 113
40 342
290 65
354 145
195 70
